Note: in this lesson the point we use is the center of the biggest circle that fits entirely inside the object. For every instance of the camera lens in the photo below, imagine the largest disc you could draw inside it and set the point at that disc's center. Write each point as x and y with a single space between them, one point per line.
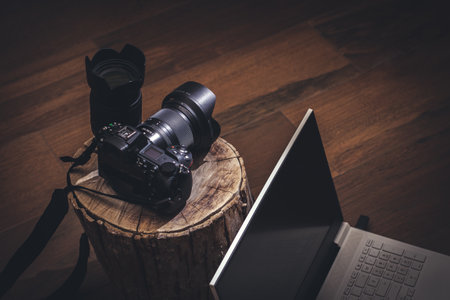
115 80
185 119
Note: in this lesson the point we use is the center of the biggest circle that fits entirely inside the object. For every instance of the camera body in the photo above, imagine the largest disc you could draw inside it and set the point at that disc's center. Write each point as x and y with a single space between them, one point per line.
143 172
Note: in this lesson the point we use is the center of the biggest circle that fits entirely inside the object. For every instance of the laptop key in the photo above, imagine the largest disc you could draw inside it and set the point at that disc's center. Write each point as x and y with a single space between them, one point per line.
394 258
358 266
380 263
351 282
411 278
411 281
382 287
399 278
361 280
409 254
416 265
347 290
405 262
413 273
416 256
420 257
370 260
402 270
377 245
354 274
384 255
393 249
356 291
393 291
377 271
373 281
391 267
388 275
366 268
369 291
374 252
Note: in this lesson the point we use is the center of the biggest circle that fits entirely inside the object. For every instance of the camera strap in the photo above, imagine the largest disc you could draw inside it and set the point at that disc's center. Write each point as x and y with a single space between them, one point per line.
46 226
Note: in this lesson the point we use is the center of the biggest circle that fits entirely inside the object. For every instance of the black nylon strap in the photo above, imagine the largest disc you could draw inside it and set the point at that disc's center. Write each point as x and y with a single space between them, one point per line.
84 157
36 241
72 284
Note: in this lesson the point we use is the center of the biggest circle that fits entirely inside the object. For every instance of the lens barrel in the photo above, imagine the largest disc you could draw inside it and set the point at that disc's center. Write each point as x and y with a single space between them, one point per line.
185 119
115 80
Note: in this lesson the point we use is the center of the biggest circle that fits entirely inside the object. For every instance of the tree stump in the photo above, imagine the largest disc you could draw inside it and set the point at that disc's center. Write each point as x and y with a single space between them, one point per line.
149 256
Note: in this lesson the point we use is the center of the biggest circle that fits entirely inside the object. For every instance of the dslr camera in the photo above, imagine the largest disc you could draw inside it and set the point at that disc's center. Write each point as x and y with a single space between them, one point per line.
147 162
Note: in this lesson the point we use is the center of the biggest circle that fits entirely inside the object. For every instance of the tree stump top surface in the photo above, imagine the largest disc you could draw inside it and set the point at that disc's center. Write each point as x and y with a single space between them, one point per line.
216 181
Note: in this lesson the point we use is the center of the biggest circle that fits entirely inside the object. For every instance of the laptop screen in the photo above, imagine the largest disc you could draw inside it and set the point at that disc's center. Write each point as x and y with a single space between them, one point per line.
290 228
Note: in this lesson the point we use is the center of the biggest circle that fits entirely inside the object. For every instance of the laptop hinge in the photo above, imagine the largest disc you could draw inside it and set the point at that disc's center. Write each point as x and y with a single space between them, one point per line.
342 234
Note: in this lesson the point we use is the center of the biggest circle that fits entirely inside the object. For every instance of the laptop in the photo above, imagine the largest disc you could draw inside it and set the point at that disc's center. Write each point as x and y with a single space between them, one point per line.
294 243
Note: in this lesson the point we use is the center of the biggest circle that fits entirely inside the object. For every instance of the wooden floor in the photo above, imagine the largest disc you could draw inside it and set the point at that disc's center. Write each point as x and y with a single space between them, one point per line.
375 72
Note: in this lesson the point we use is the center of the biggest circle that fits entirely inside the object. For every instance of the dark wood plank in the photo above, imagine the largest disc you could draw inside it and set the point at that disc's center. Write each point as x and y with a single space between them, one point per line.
380 31
387 97
43 284
29 175
260 144
38 36
47 106
188 35
258 108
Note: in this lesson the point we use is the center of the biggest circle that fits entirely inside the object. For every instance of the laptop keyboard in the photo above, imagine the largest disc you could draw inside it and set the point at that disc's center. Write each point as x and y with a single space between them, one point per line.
384 271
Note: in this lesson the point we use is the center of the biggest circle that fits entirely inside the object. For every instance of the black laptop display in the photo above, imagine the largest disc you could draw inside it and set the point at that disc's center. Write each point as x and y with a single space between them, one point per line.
283 251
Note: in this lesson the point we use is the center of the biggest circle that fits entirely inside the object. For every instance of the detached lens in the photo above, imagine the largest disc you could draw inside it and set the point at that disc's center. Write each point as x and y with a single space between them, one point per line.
115 80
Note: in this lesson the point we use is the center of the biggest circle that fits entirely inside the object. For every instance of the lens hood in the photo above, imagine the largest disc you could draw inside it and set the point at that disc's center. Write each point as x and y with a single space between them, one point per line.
196 103
116 77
